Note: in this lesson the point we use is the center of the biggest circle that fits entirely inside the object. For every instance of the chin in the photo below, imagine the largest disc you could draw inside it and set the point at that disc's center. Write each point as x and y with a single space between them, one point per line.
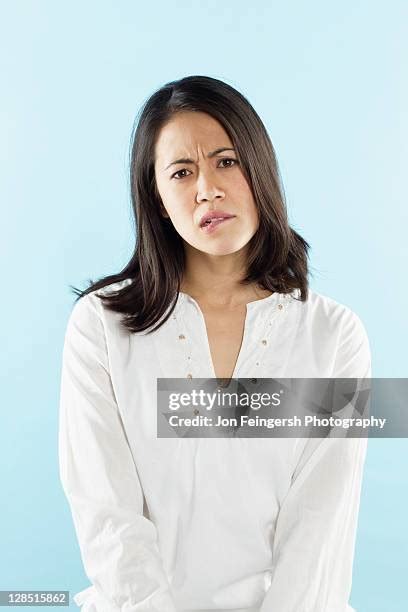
220 245
222 248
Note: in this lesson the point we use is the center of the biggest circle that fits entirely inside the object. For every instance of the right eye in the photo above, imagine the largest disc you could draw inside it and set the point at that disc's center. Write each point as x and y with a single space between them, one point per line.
178 172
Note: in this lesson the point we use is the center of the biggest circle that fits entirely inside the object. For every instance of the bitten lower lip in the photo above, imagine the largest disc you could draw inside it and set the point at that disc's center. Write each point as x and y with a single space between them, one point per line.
211 227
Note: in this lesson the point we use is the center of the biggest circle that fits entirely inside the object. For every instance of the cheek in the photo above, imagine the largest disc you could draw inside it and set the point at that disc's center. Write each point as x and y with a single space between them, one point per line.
181 211
241 186
253 211
161 191
249 199
168 197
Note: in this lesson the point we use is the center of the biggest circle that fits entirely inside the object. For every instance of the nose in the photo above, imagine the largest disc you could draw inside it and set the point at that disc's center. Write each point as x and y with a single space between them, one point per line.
207 189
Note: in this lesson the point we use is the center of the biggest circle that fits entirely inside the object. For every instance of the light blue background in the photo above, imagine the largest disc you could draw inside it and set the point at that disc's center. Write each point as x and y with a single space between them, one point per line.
329 81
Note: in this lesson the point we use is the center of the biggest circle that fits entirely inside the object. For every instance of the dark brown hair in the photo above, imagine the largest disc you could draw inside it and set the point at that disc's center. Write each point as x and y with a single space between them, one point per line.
277 255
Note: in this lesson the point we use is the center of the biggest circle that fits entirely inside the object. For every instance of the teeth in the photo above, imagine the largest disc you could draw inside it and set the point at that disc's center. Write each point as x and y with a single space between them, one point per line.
214 219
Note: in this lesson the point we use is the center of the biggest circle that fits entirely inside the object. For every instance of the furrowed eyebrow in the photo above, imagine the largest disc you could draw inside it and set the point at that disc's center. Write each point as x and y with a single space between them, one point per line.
187 160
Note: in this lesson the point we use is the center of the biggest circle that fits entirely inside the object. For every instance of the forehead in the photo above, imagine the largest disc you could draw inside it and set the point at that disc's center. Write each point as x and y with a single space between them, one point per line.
188 130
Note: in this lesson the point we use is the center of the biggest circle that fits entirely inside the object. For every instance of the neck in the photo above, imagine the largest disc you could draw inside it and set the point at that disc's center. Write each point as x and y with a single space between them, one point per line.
215 280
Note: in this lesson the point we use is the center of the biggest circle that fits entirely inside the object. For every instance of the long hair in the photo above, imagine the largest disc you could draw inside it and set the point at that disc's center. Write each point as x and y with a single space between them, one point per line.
277 255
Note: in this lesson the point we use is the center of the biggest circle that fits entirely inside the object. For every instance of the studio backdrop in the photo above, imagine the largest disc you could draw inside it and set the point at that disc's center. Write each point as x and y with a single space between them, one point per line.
329 81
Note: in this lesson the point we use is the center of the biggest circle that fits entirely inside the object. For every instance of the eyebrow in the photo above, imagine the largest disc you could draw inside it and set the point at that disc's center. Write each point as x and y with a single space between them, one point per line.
187 160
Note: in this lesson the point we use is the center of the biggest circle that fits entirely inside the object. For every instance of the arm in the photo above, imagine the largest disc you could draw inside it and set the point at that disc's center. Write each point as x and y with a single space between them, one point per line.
118 544
315 533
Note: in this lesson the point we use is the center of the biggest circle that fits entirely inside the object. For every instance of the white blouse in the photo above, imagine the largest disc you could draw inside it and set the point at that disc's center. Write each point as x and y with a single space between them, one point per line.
237 524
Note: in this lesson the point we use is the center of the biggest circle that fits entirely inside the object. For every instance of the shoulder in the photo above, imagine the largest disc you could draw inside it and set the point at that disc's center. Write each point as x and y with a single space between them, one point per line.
92 300
334 334
89 315
326 314
113 287
332 319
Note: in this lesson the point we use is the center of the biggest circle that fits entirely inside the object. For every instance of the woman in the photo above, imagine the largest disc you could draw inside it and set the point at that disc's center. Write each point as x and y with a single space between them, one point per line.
217 287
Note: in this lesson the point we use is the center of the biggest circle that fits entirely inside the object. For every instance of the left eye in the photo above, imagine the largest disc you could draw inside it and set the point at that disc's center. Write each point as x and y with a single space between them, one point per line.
229 159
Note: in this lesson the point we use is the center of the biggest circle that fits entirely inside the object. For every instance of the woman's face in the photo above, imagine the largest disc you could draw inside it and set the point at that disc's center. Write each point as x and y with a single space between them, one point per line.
197 171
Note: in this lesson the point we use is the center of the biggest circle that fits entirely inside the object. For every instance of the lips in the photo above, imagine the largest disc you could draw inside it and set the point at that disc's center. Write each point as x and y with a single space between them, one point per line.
213 216
209 228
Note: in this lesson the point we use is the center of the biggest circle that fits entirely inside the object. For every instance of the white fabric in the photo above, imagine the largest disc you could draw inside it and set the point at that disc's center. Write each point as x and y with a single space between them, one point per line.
207 524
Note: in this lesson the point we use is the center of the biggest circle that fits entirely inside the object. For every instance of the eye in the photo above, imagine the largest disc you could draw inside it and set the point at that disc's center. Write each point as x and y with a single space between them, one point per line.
229 159
177 176
178 172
